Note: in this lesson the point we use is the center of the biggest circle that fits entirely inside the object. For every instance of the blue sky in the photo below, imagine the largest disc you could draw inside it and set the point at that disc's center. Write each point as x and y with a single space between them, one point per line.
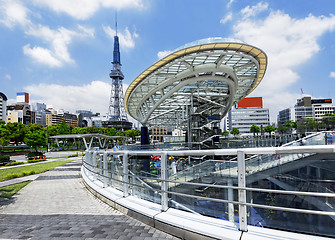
60 51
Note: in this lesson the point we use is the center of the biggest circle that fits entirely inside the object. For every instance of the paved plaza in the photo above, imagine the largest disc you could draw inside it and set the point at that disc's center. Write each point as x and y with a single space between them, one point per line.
57 206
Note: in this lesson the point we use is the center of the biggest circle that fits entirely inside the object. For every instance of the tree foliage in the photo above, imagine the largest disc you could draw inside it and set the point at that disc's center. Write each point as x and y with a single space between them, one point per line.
225 133
4 135
269 129
35 139
35 135
255 129
17 132
235 131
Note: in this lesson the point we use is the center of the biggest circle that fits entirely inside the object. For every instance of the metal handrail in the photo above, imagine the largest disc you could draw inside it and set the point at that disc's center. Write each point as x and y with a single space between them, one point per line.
241 188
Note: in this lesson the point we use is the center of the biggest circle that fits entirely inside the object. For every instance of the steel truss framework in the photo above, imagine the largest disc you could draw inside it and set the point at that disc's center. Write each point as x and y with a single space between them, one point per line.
202 78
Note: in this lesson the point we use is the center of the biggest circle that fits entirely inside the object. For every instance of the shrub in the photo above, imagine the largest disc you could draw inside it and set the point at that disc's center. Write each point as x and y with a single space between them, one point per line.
4 158
14 163
35 155
36 160
17 175
11 176
27 173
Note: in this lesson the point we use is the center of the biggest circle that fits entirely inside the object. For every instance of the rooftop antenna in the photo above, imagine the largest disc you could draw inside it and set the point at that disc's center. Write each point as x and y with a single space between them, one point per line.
116 21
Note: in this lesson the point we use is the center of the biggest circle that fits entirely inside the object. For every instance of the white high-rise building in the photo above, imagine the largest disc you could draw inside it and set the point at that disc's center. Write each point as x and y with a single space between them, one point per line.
40 111
306 107
3 106
248 112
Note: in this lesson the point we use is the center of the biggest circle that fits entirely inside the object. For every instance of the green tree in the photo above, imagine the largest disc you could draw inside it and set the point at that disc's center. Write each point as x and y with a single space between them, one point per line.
120 133
111 132
35 139
290 125
225 133
4 135
63 128
52 130
235 131
282 129
17 132
269 129
307 124
132 133
32 127
255 129
329 121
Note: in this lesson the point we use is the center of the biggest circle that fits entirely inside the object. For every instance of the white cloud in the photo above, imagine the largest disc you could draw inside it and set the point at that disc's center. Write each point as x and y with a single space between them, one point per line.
59 39
7 76
84 9
332 75
254 10
13 13
127 39
230 3
162 54
93 96
288 44
41 55
227 18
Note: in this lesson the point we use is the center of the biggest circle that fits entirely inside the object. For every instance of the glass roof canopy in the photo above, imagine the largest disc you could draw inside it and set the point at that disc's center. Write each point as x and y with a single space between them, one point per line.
203 77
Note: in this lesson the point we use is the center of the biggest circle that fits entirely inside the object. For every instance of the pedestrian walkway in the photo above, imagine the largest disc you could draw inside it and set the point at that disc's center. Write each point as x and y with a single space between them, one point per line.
57 206
18 180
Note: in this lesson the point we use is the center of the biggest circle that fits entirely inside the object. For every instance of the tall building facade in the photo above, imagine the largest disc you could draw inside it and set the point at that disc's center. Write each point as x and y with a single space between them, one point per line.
20 111
22 97
306 107
3 106
55 118
40 112
249 111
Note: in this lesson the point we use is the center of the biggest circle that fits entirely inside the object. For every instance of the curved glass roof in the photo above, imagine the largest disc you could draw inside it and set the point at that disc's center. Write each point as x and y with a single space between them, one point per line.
205 77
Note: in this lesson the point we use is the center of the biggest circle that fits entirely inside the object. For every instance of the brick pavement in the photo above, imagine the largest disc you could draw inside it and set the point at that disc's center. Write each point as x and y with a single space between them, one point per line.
57 206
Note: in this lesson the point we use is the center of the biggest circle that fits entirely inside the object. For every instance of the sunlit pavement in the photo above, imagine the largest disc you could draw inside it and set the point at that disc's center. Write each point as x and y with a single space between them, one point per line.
57 206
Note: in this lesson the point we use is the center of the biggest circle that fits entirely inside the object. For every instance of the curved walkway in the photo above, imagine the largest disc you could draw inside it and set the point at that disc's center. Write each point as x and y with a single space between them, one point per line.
57 206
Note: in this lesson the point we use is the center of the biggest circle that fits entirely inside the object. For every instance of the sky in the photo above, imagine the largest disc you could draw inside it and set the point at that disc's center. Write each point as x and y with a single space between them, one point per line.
60 51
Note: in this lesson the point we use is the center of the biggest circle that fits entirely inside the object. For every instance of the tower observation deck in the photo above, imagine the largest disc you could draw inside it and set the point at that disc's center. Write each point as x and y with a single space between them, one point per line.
117 116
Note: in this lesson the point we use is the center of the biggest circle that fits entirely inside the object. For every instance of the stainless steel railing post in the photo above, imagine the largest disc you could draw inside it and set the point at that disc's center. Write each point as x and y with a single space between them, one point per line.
125 175
164 184
94 163
105 170
242 196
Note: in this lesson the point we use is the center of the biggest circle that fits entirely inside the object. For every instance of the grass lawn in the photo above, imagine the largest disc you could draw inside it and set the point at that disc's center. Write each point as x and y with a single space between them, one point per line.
9 191
11 173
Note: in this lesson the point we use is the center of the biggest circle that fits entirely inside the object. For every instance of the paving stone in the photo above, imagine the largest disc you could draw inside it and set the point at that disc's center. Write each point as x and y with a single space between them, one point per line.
57 206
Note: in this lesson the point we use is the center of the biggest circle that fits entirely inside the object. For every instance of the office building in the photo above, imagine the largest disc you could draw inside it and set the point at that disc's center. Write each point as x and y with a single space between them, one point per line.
84 118
56 117
22 97
249 111
20 113
39 110
3 106
306 107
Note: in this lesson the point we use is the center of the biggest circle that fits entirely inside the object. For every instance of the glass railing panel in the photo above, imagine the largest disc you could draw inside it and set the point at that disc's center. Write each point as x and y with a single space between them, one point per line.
144 178
219 171
294 174
115 171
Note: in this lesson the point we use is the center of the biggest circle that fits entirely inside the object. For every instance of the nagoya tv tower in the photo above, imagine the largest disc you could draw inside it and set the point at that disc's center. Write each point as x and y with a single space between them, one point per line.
117 115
